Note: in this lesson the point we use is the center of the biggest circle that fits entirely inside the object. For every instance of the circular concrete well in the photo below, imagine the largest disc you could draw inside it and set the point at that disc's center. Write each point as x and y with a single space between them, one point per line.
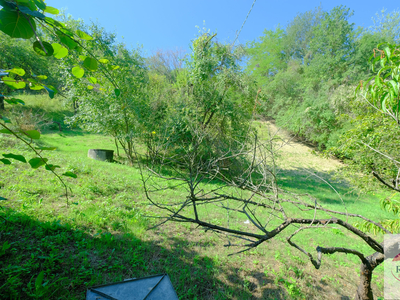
101 154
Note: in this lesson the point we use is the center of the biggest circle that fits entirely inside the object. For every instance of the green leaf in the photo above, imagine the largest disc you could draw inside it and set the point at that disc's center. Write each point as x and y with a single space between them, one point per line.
38 48
51 10
30 12
5 161
90 64
6 120
82 57
59 51
39 281
117 92
14 101
104 61
112 68
46 148
51 167
395 86
66 40
18 71
40 4
93 80
36 87
387 52
2 198
83 35
5 131
41 77
14 24
11 82
78 72
50 91
33 134
37 162
54 23
8 6
90 87
70 174
15 156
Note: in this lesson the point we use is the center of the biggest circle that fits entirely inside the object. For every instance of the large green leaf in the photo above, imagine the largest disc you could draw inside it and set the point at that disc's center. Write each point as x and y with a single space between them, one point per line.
16 24
33 13
40 4
93 80
50 167
11 82
33 134
8 6
37 162
5 131
14 101
54 23
15 156
66 40
18 71
51 90
83 35
5 161
59 51
78 72
70 174
90 64
51 10
38 48
35 87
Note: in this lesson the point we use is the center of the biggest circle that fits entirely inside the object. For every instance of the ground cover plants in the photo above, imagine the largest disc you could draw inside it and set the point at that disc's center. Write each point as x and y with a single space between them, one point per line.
193 154
102 237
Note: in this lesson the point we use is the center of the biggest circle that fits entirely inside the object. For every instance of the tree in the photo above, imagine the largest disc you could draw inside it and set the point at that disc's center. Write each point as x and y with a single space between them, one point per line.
305 66
98 106
254 194
211 95
19 19
370 145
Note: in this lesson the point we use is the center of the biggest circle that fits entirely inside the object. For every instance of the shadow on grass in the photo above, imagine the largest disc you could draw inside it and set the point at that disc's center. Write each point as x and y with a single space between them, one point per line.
307 180
73 260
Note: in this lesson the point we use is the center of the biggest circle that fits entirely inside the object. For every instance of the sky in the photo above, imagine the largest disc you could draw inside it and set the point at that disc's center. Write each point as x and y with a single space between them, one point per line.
171 24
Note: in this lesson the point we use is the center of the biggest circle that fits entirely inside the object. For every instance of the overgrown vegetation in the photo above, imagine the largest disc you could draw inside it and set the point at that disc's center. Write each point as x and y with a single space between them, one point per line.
186 127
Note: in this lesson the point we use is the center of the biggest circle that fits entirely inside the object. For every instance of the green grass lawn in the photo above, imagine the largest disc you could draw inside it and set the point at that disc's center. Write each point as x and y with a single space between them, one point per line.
102 236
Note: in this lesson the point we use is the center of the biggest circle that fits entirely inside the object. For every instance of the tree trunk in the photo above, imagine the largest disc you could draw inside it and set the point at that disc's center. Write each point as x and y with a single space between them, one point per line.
1 102
364 289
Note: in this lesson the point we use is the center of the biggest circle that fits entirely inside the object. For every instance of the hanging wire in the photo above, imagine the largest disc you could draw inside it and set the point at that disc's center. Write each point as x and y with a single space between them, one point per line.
237 35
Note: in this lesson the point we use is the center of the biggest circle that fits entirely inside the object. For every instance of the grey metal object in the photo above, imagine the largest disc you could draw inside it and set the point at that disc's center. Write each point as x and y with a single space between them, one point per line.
158 287
101 154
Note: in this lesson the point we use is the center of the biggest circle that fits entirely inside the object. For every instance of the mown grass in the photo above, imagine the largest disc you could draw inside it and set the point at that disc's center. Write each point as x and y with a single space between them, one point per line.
101 236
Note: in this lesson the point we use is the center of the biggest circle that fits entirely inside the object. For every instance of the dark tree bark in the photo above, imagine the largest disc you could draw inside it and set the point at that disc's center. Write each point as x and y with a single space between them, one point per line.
1 103
364 290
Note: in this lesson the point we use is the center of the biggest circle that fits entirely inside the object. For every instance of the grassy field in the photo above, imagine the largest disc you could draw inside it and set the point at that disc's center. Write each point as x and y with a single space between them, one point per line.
102 236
